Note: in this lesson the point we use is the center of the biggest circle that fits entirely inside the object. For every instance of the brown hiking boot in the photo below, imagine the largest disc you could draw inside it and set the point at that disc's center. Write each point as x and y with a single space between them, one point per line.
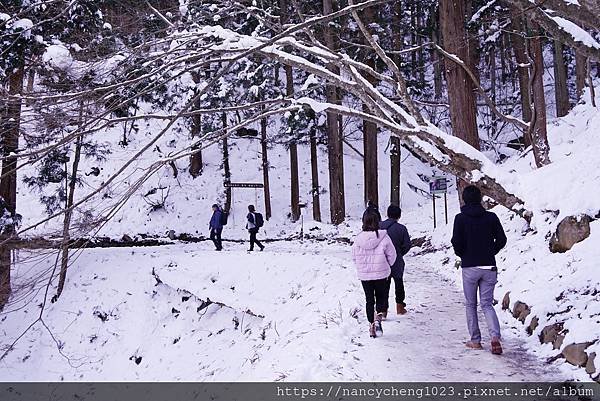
400 309
496 346
372 330
378 319
473 345
384 315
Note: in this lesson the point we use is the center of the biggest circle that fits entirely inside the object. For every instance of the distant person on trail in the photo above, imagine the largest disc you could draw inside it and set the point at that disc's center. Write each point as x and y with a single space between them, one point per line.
372 207
373 253
477 237
401 240
216 227
255 221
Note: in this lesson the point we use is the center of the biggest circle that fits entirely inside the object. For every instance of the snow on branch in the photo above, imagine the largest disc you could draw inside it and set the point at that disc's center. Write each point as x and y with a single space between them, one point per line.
557 20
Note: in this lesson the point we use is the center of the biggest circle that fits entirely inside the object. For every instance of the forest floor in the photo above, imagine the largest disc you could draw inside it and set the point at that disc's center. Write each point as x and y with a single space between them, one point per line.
293 312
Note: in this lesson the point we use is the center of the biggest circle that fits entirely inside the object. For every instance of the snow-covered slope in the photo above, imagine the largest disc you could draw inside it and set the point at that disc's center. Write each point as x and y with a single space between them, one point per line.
294 312
558 287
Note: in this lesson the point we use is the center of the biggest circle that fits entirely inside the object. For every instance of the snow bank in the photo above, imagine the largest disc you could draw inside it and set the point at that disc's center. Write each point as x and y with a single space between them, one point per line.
559 288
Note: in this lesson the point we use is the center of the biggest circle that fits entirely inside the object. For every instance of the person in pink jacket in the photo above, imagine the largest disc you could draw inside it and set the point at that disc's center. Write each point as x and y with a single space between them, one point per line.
373 253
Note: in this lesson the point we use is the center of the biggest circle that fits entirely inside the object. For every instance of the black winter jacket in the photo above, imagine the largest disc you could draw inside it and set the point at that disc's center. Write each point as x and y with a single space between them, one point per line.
401 240
477 236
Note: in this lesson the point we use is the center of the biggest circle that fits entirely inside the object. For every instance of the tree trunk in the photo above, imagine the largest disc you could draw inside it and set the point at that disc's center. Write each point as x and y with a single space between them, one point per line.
396 29
8 182
196 163
519 47
591 84
537 131
371 184
580 73
265 167
226 170
334 137
293 146
461 95
436 58
314 168
561 91
30 83
395 170
493 83
370 179
503 64
64 251
293 149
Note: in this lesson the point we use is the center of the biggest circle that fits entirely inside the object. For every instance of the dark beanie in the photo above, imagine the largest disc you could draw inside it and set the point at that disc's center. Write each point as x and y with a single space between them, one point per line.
471 195
215 205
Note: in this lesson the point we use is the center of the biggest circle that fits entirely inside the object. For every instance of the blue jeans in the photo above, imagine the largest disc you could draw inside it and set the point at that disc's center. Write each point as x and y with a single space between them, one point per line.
483 280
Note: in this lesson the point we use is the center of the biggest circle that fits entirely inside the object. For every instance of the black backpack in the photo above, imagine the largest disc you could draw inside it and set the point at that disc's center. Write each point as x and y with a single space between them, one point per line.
224 217
258 220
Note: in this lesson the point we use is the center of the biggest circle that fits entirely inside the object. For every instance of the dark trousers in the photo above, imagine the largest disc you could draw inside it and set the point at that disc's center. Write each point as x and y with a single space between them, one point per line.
376 292
253 240
399 290
215 236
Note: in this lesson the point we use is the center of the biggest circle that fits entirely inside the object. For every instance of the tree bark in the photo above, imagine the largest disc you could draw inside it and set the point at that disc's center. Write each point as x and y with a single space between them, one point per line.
314 169
538 129
293 150
196 163
519 47
561 91
293 146
436 59
580 73
265 167
371 182
591 84
226 169
395 170
10 130
334 137
370 162
493 83
461 95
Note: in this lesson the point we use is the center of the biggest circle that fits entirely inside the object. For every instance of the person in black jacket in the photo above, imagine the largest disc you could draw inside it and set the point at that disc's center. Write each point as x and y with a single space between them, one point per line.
252 225
477 237
401 240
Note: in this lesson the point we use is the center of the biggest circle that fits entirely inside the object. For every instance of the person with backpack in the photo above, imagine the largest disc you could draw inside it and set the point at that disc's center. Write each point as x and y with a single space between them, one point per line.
373 253
217 221
476 238
401 240
255 221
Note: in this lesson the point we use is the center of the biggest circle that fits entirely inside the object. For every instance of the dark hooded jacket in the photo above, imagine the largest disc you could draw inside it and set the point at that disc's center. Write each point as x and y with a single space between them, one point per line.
477 236
401 240
215 220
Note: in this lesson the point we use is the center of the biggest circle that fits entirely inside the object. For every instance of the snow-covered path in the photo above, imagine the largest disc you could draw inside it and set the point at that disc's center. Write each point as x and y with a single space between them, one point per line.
293 312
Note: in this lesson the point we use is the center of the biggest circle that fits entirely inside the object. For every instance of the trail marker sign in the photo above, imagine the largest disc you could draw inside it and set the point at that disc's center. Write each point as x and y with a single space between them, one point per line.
242 185
438 185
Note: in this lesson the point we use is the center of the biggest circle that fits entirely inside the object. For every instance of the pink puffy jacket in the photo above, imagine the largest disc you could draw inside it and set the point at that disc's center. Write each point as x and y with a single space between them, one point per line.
373 255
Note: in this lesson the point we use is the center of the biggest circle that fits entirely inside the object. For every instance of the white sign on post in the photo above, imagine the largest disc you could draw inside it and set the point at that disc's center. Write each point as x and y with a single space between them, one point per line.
438 185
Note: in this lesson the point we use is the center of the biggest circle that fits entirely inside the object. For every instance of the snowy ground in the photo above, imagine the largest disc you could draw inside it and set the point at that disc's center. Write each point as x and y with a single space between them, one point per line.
293 312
